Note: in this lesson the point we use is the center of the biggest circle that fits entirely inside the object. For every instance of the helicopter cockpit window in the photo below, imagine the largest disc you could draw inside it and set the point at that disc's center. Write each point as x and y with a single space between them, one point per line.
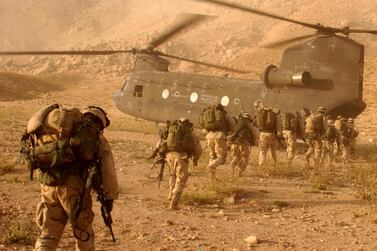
225 101
138 90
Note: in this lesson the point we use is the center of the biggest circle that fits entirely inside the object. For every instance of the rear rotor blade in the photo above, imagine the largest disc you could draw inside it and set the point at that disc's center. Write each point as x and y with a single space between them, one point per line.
348 31
259 12
201 63
287 41
187 20
89 53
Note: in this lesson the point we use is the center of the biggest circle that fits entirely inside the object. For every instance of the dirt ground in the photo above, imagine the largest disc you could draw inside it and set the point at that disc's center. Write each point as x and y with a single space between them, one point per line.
285 210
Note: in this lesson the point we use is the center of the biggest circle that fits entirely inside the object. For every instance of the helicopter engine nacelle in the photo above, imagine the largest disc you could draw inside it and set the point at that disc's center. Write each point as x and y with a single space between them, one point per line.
274 77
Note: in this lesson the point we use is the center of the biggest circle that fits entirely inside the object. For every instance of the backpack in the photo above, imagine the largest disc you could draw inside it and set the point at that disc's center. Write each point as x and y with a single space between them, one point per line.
46 143
266 119
345 130
179 138
331 133
314 124
213 119
289 121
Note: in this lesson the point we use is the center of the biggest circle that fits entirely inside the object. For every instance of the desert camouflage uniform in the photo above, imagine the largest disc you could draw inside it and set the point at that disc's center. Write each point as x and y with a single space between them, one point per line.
218 147
313 139
330 138
353 136
290 141
240 146
58 203
344 144
290 137
268 140
178 168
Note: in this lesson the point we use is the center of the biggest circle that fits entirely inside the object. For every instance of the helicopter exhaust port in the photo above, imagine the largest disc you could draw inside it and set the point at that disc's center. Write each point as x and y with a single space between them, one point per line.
273 77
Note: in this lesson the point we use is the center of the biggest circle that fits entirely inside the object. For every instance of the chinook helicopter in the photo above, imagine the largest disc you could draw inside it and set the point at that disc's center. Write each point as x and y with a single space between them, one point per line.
325 70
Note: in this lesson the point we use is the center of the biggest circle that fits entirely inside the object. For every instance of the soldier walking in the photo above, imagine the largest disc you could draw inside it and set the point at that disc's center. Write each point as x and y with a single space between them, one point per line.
85 161
353 135
216 124
315 128
330 138
290 126
345 133
267 123
241 141
182 144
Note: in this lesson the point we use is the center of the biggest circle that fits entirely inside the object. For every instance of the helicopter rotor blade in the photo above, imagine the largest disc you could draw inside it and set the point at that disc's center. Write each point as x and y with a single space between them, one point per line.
259 12
287 41
225 68
83 53
187 20
348 31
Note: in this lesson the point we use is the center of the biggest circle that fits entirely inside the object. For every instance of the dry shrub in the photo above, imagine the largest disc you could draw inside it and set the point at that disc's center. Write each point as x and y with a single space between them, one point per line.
215 192
20 233
365 177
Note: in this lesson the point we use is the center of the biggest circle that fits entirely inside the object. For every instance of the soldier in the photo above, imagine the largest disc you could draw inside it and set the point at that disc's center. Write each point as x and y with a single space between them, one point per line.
330 138
63 188
290 126
182 144
216 124
315 128
354 133
267 123
241 141
345 133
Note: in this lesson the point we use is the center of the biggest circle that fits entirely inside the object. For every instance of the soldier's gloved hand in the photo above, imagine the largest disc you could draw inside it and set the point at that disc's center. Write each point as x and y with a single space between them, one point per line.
108 204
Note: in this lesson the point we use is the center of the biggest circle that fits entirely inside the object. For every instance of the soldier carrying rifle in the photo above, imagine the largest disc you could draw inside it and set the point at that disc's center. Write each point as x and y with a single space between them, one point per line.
71 156
177 144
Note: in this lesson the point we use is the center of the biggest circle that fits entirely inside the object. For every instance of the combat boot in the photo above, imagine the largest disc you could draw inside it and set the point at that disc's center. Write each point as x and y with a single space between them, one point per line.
174 202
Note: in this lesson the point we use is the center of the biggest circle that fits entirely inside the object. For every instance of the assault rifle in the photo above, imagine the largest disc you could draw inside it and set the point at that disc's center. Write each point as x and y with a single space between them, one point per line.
104 212
159 161
93 173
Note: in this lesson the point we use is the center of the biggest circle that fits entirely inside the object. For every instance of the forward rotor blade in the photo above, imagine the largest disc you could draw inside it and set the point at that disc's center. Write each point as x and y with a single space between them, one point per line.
287 41
202 63
188 20
89 53
259 12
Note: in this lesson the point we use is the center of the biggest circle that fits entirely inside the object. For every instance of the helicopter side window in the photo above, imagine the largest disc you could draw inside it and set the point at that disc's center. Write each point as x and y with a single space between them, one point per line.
138 91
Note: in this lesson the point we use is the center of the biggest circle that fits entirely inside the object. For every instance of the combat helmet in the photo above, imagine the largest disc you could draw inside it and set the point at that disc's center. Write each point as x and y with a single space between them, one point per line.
258 104
99 113
244 115
185 120
321 109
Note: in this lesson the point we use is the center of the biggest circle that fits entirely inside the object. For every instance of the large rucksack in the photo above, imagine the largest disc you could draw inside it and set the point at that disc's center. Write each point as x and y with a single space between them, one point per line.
331 133
289 121
266 119
46 144
179 138
214 119
345 130
314 124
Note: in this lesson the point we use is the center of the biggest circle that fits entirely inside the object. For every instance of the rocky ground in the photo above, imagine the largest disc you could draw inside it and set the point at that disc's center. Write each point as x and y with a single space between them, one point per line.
284 209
